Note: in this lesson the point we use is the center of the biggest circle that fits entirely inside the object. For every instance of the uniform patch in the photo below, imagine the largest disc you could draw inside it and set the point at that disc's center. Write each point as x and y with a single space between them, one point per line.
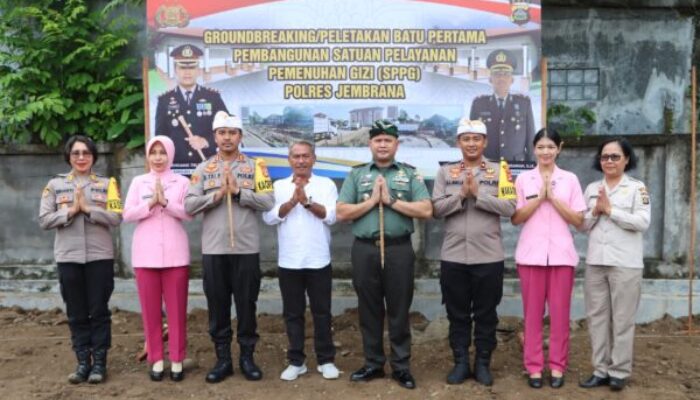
194 179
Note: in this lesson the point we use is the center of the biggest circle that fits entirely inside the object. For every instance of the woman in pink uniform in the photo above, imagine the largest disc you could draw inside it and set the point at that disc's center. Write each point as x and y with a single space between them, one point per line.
549 200
160 254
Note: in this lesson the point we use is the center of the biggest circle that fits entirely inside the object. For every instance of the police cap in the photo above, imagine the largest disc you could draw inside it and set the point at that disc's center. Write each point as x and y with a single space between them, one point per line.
186 55
501 60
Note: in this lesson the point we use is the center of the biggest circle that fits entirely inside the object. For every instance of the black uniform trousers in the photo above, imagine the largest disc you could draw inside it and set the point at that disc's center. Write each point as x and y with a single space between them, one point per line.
375 286
238 275
294 285
472 293
86 289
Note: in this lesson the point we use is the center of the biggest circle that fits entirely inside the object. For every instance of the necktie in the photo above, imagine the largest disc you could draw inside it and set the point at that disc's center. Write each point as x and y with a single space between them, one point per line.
188 96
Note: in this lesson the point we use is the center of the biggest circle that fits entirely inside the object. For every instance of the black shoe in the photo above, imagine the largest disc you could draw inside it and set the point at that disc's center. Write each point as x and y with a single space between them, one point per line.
366 374
460 372
177 376
594 381
404 378
98 373
555 382
82 370
223 367
482 371
155 376
617 384
247 363
535 383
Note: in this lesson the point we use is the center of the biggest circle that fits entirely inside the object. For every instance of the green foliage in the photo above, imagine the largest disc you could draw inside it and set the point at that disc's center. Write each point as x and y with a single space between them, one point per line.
63 70
568 121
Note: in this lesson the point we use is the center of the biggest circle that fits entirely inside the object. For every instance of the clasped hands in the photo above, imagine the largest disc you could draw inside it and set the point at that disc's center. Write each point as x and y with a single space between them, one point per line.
229 185
158 195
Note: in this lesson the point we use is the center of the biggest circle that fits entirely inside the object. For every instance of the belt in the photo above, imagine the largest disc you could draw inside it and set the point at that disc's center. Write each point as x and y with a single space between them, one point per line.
387 241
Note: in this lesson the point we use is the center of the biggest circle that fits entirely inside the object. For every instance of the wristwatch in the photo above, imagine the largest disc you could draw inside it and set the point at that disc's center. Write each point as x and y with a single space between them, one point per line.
308 203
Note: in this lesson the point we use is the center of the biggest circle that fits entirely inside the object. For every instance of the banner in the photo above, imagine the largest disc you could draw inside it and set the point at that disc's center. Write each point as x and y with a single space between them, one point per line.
324 70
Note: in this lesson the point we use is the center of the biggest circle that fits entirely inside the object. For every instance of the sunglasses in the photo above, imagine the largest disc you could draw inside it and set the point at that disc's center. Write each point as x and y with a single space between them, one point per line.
610 157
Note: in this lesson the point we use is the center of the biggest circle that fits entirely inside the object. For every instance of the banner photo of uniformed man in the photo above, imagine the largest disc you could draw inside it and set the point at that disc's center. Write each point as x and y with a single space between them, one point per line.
325 70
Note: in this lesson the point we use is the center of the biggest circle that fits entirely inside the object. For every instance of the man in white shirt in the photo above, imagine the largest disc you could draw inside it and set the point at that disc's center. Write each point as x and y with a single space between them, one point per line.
304 211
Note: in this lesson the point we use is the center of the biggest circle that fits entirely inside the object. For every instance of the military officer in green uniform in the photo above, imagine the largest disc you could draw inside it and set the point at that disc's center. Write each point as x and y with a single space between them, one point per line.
194 103
508 116
402 192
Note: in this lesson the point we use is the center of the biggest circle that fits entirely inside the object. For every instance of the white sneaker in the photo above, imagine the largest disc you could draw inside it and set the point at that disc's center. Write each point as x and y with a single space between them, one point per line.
292 372
329 371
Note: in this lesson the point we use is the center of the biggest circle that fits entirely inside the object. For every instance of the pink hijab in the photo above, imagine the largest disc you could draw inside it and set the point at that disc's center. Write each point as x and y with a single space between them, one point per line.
169 150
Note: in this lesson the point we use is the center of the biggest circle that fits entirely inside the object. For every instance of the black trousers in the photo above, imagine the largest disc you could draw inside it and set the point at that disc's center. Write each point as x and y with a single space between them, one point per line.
237 275
294 285
86 289
472 293
374 287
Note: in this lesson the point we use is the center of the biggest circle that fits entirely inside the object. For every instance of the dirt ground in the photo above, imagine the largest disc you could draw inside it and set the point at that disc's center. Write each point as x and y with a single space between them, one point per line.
35 359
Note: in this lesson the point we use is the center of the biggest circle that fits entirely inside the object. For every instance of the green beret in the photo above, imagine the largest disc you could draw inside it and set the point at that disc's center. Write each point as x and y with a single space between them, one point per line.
383 126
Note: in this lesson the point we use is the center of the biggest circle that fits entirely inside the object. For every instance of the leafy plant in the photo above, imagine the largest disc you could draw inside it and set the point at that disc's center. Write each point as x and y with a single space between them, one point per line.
64 70
570 122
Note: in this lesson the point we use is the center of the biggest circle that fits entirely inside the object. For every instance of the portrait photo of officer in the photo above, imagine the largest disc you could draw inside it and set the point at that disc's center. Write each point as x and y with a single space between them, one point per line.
188 104
508 116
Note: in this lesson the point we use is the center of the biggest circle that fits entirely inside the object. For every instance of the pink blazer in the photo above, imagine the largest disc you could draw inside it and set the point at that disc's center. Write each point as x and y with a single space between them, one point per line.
160 240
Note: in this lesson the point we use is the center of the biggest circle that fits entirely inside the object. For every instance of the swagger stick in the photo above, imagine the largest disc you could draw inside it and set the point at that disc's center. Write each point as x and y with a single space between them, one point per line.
381 233
229 206
693 166
183 122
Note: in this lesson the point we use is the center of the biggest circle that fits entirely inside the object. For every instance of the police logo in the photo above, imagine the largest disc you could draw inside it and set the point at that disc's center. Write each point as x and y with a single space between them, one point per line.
172 17
519 12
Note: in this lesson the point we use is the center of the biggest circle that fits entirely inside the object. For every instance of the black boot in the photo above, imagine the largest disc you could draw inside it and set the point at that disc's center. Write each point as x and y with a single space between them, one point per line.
247 364
223 366
98 374
82 370
482 364
460 372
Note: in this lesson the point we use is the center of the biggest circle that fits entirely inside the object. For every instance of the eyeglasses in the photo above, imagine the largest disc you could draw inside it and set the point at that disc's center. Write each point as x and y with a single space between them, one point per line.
79 153
610 157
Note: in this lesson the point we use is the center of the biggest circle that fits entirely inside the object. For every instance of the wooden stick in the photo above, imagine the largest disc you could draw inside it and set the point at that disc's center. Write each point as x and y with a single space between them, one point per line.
183 122
381 232
230 217
543 68
691 250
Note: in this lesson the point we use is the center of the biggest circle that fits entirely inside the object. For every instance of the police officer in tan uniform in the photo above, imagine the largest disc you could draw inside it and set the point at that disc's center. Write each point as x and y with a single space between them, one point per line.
508 116
231 269
471 266
75 205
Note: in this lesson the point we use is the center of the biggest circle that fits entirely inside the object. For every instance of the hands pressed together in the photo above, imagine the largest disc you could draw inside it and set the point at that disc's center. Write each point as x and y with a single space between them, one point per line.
229 185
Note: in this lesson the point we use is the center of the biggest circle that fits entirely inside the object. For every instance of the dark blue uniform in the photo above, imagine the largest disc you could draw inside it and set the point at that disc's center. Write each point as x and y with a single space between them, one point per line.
204 104
510 130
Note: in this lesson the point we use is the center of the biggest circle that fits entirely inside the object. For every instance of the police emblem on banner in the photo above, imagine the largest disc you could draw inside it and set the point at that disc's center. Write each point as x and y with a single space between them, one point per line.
520 11
174 16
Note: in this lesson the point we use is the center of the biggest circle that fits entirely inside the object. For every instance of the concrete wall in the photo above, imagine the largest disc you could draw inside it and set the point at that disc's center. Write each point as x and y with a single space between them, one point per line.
643 55
26 251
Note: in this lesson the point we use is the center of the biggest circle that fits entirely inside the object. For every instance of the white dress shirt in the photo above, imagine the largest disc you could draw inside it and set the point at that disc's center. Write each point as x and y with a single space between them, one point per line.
304 239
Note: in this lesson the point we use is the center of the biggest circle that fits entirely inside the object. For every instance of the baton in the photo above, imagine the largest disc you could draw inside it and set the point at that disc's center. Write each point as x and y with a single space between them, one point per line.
183 122
381 233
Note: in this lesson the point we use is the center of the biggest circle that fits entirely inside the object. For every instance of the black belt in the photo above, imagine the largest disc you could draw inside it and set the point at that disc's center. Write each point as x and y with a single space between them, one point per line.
387 241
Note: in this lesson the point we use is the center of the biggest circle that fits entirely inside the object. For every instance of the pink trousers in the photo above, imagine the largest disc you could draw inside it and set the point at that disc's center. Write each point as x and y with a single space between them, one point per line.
550 286
156 285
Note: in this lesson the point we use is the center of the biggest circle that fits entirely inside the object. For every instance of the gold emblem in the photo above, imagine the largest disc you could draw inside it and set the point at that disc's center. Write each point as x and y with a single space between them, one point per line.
172 17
